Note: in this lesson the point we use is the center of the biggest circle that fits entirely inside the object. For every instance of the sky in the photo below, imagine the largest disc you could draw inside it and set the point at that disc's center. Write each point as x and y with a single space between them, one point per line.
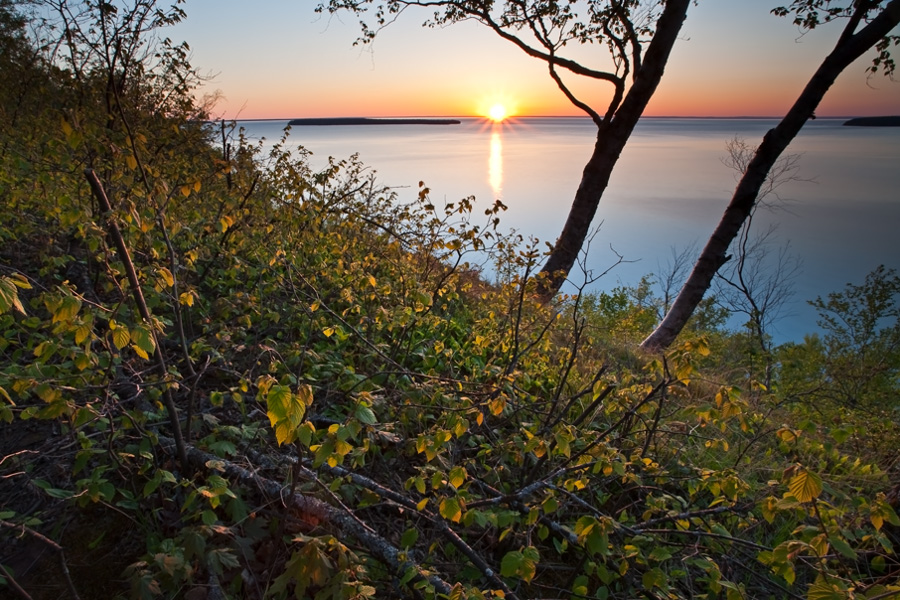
278 59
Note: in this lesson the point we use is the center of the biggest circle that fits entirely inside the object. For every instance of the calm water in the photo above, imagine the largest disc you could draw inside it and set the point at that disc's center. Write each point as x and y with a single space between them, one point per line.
668 191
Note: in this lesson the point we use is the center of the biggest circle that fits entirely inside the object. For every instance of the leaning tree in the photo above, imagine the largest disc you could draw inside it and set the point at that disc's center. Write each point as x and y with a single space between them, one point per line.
868 26
638 36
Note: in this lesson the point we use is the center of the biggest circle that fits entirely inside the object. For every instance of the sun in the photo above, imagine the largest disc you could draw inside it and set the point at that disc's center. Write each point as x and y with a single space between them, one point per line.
497 113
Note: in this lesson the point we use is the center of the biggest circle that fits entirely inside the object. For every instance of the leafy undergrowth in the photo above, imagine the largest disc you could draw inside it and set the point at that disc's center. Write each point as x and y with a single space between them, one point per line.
318 394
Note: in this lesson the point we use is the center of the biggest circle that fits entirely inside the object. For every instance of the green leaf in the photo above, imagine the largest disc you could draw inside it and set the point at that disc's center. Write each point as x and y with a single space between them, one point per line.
654 578
410 536
143 341
52 491
520 563
287 409
457 476
365 415
841 545
511 562
450 509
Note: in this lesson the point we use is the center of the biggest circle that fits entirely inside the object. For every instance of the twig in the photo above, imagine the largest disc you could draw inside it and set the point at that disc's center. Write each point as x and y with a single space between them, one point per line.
13 583
56 548
138 296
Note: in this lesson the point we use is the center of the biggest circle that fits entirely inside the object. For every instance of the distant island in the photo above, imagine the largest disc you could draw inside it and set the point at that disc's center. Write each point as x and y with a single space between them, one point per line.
370 121
874 122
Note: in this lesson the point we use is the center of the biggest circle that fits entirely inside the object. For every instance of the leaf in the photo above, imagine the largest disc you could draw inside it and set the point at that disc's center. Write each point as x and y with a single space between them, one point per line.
825 590
167 276
286 410
841 545
654 578
450 509
53 492
769 507
805 485
82 333
409 537
120 335
365 414
509 566
457 476
143 341
67 310
520 563
9 296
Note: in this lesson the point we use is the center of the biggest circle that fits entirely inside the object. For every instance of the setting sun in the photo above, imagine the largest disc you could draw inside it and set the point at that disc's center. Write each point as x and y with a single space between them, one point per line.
497 113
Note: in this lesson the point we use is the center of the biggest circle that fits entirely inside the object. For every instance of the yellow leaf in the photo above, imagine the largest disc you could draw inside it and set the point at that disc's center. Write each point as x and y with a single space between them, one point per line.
196 186
185 190
82 333
328 331
67 309
805 485
121 337
9 296
131 162
167 276
187 299
20 281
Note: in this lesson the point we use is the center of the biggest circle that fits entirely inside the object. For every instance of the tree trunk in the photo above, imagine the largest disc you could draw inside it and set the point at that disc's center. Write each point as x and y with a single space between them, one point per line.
612 136
848 49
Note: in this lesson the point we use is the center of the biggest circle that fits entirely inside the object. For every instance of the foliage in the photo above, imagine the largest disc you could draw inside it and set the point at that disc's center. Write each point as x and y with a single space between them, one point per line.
855 363
365 414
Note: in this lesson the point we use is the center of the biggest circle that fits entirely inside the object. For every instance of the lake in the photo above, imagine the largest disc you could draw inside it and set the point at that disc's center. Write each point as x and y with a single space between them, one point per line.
840 217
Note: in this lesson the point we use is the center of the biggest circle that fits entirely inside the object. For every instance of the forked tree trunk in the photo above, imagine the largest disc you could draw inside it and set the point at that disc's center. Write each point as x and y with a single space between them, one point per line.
850 47
612 136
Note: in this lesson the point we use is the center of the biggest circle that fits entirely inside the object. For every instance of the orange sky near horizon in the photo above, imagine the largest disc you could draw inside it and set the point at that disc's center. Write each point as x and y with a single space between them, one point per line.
278 59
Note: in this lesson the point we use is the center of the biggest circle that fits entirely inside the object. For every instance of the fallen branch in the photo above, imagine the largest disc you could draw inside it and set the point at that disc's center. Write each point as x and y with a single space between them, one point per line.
436 520
377 545
54 546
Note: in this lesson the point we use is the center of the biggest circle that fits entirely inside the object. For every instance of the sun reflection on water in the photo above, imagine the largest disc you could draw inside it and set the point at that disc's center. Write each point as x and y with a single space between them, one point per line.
495 163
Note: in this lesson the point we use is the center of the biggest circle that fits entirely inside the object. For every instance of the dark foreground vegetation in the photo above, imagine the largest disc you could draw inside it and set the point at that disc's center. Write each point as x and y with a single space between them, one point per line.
223 374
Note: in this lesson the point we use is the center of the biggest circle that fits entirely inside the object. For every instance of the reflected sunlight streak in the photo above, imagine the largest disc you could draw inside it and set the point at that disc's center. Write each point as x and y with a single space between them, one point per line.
495 163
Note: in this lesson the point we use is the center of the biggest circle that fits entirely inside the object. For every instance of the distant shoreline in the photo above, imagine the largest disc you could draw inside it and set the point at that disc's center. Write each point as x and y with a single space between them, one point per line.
319 121
888 121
